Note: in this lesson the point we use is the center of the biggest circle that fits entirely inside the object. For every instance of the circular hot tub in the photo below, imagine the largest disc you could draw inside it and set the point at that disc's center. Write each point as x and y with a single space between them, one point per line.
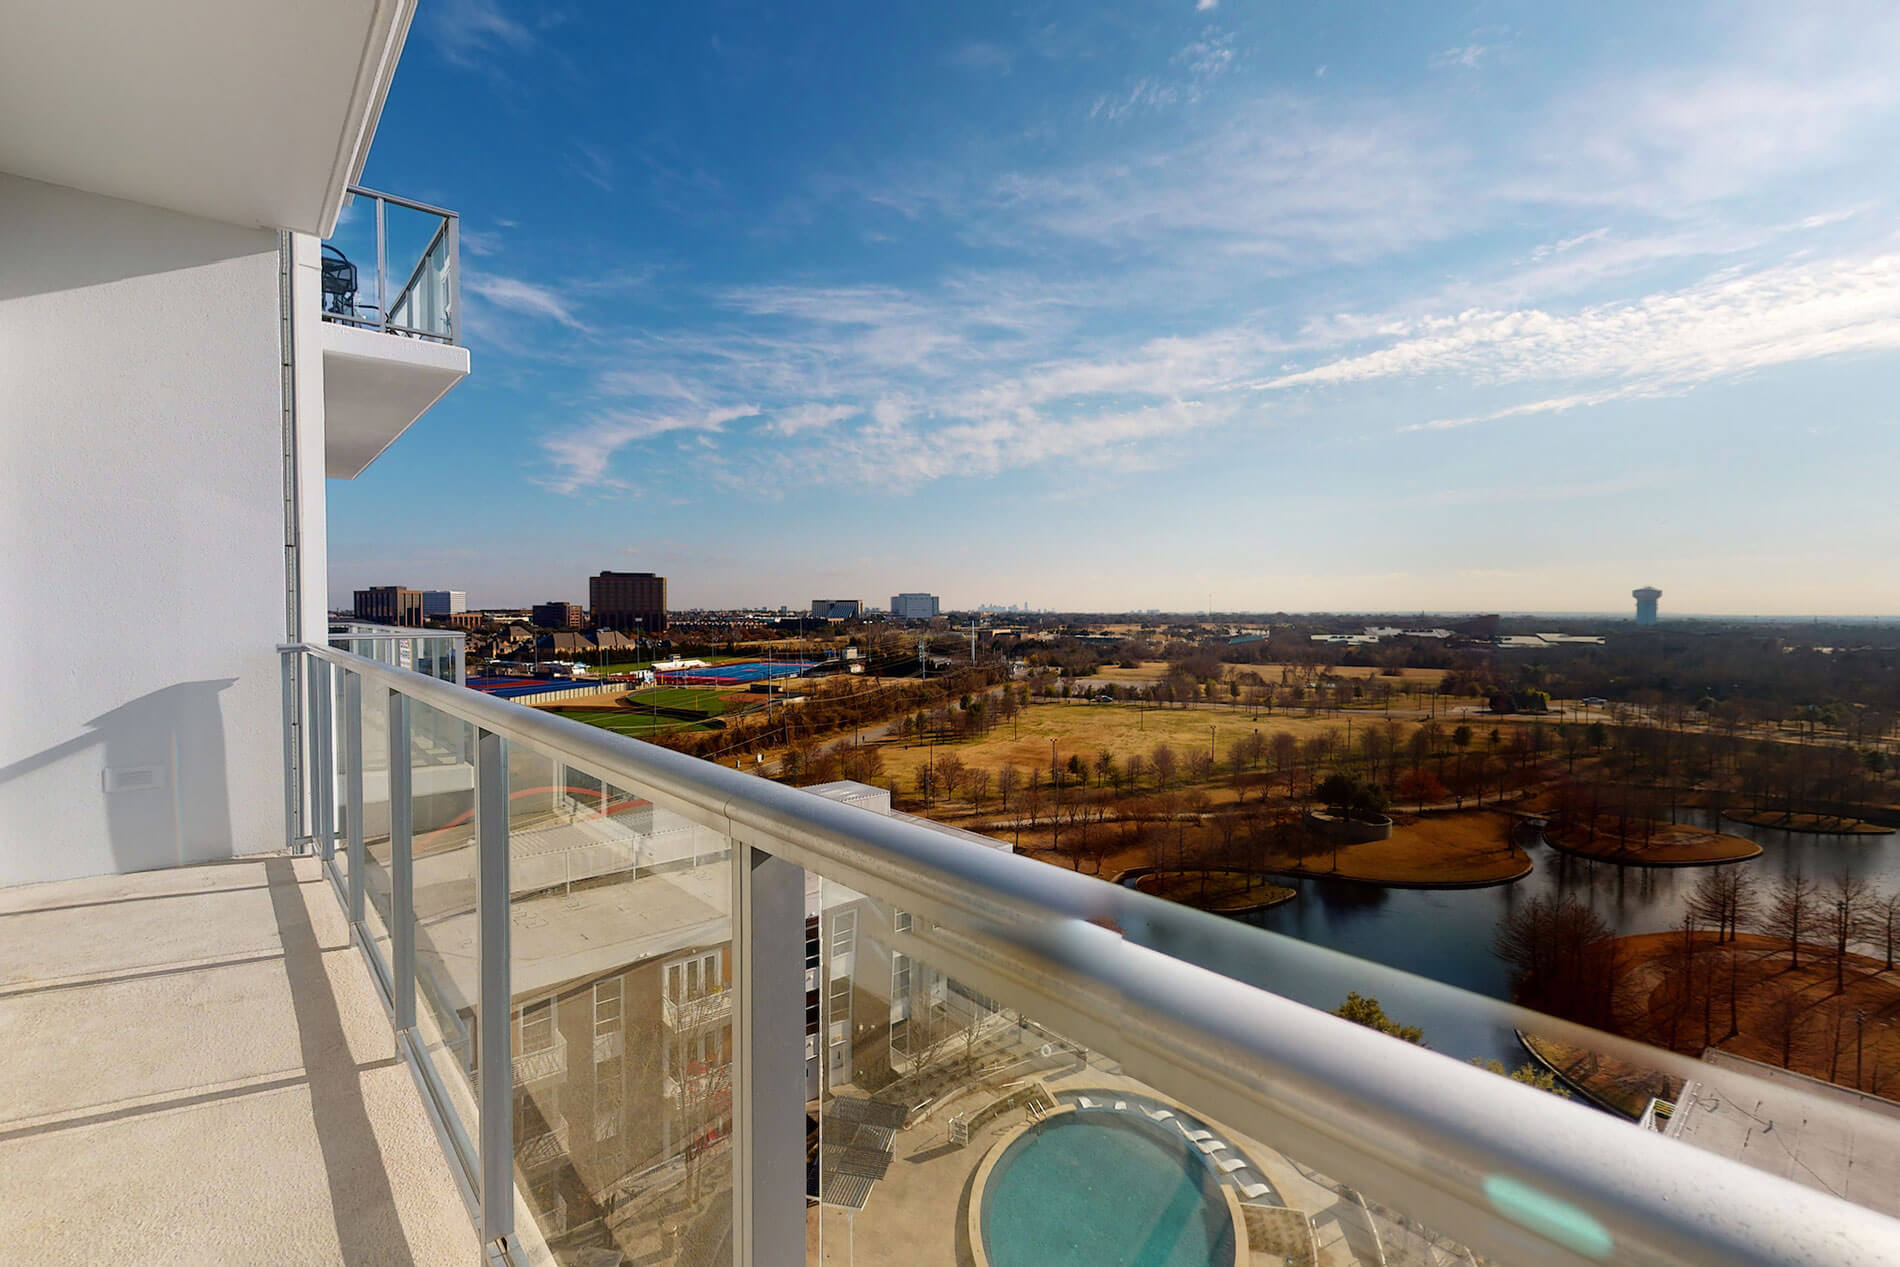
1099 1188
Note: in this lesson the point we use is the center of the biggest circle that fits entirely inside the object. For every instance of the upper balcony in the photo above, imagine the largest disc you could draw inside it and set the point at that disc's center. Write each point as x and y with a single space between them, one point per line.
391 305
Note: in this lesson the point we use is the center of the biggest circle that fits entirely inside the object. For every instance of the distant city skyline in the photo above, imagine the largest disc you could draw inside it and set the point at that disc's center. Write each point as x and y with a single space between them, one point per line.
1382 308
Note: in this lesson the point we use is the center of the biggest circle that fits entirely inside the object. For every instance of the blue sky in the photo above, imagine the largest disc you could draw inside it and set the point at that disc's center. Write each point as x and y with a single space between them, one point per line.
1268 306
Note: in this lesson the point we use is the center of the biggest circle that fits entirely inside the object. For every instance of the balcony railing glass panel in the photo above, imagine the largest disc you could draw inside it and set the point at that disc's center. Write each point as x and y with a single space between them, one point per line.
447 942
378 912
391 265
619 910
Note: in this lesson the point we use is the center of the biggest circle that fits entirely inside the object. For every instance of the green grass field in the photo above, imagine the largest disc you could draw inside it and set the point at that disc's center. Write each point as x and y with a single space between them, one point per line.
697 698
629 723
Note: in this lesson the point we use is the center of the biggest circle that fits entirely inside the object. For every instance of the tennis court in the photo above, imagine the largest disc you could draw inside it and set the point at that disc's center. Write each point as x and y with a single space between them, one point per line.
737 674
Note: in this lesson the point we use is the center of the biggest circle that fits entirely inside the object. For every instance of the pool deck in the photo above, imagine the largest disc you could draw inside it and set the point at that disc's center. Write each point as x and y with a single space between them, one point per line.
916 1215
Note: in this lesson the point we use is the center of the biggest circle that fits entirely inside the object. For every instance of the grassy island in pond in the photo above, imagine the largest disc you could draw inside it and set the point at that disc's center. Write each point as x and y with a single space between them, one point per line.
1824 824
1652 843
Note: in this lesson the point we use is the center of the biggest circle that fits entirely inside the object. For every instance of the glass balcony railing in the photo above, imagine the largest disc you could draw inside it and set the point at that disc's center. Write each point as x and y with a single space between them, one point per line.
993 1060
436 653
393 265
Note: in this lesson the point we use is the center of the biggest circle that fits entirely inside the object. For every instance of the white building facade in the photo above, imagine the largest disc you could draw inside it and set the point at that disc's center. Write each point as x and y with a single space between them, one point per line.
172 400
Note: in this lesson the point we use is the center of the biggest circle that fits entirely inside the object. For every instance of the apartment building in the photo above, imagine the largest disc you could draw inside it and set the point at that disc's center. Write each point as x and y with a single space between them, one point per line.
444 602
558 615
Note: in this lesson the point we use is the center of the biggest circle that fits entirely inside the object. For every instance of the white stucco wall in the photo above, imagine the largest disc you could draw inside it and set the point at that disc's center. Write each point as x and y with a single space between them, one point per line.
141 511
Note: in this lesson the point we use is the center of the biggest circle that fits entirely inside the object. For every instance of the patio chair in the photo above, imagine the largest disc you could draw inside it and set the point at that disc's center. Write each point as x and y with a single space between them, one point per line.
1229 1165
1210 1145
1084 1102
1196 1136
339 282
1159 1115
1121 1106
1254 1191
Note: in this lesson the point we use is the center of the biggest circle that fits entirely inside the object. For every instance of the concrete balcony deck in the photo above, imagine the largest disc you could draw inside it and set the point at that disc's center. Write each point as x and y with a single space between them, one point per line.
195 1068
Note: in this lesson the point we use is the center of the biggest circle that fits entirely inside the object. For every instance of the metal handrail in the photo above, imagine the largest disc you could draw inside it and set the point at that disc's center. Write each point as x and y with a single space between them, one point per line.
1509 1170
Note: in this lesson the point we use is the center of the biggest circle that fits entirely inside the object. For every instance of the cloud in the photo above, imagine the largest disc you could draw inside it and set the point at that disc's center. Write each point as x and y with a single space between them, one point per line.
469 33
799 418
581 455
527 298
979 55
592 164
1203 6
1192 70
1466 57
1731 324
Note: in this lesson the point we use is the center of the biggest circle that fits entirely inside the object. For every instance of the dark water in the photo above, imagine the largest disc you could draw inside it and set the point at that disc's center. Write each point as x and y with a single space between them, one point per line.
1447 935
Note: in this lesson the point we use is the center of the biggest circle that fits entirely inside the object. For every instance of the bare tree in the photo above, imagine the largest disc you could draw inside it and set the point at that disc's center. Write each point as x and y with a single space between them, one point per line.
1887 911
1844 917
1164 762
1790 913
1724 898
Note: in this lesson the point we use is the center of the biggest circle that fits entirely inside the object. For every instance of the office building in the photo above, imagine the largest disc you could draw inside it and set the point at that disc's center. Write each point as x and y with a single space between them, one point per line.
628 601
314 957
1646 600
444 602
558 615
389 605
836 608
914 606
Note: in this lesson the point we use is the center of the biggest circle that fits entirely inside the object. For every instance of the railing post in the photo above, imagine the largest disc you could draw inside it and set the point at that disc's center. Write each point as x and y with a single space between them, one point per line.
402 875
353 794
293 768
768 1076
322 760
382 281
494 1059
455 285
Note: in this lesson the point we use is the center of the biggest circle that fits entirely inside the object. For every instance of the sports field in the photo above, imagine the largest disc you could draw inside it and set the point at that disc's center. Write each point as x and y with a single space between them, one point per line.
738 674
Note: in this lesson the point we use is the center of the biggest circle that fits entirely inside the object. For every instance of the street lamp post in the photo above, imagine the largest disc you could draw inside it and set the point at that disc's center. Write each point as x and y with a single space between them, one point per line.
1860 1021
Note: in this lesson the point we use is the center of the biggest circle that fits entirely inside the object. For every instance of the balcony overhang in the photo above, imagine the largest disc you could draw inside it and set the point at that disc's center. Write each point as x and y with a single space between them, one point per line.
256 114
374 386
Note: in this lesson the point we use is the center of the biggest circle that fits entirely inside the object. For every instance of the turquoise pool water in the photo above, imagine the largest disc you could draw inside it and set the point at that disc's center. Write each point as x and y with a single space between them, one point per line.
1098 1189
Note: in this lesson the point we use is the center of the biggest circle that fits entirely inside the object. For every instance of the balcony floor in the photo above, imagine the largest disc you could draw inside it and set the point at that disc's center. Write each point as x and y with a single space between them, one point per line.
195 1067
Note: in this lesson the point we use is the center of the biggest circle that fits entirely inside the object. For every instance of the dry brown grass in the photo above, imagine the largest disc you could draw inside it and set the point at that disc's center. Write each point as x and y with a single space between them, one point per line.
1456 850
1667 844
1817 1046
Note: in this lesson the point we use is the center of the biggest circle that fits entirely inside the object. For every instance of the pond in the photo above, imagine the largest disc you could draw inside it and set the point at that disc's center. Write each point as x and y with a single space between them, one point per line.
1447 934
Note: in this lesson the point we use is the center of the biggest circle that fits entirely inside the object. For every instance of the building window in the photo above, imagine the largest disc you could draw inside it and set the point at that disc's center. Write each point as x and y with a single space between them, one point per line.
695 978
534 1027
900 977
608 1000
844 931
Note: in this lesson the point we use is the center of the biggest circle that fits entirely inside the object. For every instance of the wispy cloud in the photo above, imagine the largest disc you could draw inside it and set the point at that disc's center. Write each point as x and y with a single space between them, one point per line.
980 55
1191 71
528 298
469 32
592 164
580 455
1732 324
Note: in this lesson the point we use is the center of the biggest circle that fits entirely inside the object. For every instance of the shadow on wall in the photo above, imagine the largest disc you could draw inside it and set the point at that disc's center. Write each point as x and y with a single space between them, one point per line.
123 240
164 783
